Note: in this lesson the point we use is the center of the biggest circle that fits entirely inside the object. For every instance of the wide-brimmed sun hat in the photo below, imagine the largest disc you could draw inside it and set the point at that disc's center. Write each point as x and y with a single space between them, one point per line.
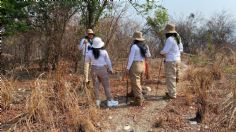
97 43
170 28
138 36
90 31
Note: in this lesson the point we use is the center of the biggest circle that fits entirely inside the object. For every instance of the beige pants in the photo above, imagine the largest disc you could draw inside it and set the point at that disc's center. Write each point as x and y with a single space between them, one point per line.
86 71
171 72
135 73
100 74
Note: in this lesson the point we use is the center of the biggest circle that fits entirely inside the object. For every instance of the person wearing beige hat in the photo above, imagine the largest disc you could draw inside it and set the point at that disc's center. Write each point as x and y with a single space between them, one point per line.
100 67
85 45
172 51
135 68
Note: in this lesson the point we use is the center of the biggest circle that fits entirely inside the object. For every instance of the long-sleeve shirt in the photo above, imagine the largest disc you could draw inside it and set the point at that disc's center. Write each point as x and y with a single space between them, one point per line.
135 55
84 44
172 50
102 60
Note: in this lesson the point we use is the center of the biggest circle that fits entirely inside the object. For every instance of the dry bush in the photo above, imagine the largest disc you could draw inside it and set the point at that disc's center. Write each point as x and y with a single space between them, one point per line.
201 81
55 105
6 92
228 109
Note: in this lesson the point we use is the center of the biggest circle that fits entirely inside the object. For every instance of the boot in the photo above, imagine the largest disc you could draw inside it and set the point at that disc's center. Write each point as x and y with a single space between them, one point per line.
130 94
137 101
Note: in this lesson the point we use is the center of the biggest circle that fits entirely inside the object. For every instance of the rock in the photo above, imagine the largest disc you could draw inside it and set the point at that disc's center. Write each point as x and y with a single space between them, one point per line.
148 89
110 117
127 128
193 122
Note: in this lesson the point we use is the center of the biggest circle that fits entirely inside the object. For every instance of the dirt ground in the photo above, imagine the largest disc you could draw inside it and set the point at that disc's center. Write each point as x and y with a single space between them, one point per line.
155 115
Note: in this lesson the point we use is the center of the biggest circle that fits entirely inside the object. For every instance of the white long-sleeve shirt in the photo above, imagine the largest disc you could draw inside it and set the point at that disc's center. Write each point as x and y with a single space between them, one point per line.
102 60
172 50
135 55
84 45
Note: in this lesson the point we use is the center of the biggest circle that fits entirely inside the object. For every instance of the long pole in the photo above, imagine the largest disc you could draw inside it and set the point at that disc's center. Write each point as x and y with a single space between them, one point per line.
127 89
85 50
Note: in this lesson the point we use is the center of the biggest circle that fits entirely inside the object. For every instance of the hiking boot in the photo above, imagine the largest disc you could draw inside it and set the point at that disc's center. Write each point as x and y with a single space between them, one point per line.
130 94
137 102
112 103
167 96
144 92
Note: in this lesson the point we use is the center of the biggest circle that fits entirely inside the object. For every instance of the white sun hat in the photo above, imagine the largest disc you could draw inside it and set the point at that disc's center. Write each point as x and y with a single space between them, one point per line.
97 43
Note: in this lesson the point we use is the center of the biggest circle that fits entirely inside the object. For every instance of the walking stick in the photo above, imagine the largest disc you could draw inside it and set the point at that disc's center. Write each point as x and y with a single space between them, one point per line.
146 69
125 77
85 50
127 89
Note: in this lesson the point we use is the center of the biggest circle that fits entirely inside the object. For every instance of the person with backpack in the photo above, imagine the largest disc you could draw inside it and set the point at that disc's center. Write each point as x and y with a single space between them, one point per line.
86 45
136 66
172 52
100 68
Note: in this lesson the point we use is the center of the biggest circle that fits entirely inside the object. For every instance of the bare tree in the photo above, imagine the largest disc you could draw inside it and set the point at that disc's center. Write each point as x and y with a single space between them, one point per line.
221 26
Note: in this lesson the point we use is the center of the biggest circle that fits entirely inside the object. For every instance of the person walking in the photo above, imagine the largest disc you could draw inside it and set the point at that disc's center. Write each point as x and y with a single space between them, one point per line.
136 66
86 45
101 67
172 52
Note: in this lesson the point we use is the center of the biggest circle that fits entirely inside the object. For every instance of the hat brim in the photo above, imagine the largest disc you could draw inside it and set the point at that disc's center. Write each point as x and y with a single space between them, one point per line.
170 32
139 39
100 45
91 33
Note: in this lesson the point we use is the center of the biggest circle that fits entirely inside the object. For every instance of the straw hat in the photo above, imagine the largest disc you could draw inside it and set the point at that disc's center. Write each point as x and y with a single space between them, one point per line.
97 43
170 28
90 31
138 36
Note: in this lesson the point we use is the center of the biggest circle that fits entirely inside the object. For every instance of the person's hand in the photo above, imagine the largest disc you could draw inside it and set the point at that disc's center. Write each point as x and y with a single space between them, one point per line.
127 72
162 55
85 41
110 71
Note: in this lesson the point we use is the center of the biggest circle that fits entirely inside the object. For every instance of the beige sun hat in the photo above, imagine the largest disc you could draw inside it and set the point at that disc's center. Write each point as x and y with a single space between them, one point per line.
98 43
90 31
170 28
138 36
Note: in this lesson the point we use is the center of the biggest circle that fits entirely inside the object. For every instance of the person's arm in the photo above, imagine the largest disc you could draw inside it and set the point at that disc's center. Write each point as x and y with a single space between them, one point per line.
167 47
131 57
81 45
181 48
148 54
108 61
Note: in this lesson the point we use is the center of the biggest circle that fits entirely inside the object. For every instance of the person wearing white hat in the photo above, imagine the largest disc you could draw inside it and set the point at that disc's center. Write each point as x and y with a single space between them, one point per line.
172 51
101 67
86 45
135 68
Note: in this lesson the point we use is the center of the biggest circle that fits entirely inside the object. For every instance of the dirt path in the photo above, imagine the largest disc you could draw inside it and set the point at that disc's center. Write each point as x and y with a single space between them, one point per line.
132 118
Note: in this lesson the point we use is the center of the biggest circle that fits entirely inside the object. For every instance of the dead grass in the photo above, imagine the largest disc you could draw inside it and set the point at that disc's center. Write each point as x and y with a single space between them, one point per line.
228 109
55 104
6 92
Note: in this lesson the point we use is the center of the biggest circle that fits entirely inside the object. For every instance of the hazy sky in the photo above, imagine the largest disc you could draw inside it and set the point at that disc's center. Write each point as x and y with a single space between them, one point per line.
205 7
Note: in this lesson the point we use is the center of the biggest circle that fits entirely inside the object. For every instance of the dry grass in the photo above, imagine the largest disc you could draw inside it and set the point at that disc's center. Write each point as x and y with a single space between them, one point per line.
6 92
228 108
54 104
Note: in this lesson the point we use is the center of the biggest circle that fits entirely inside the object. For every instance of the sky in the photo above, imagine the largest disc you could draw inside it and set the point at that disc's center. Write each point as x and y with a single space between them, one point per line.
183 8
206 7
